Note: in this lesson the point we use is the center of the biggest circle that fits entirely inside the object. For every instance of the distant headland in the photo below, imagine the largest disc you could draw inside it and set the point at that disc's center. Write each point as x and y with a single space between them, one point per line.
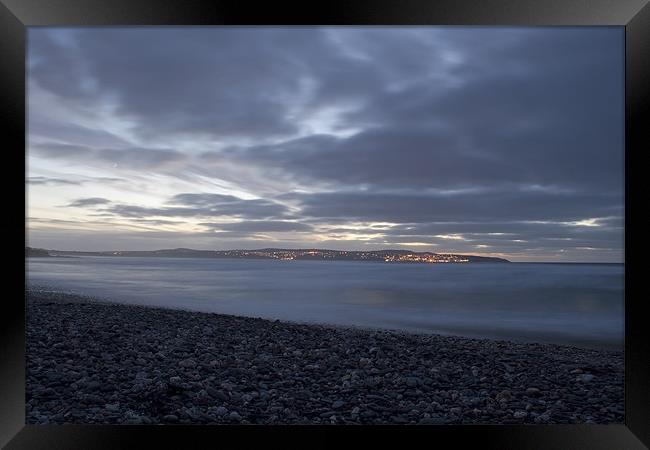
388 256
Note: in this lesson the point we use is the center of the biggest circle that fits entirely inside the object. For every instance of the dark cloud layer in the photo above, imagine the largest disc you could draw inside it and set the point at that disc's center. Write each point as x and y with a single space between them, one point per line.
554 118
203 205
490 206
130 158
199 80
507 138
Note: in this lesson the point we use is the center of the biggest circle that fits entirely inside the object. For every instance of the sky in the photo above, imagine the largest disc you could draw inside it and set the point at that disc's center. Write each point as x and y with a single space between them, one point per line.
494 141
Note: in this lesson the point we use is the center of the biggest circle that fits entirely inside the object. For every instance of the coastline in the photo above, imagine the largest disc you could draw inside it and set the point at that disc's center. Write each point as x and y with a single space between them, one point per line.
96 361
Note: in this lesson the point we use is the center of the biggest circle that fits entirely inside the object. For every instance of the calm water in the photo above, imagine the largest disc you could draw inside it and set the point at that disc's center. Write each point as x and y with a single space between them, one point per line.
579 304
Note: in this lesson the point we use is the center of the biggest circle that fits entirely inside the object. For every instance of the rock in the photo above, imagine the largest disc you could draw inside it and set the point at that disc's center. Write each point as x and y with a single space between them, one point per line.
187 363
135 420
45 393
175 382
533 392
53 375
364 362
433 421
94 399
372 381
93 385
220 411
228 386
412 381
585 377
519 414
338 404
399 419
303 394
171 418
234 415
219 395
504 396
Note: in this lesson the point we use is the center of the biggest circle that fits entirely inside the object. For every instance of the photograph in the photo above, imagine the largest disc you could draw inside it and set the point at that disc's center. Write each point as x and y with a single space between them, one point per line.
325 225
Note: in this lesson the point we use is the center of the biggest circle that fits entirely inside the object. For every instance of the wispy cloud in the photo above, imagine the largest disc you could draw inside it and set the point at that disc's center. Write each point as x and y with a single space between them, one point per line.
93 201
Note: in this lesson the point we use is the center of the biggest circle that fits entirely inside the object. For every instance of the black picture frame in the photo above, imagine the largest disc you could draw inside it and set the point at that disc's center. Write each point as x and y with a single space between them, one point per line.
16 15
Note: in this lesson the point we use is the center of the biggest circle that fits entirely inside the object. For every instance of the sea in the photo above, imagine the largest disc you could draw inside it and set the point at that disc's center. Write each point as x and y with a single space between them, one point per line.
569 304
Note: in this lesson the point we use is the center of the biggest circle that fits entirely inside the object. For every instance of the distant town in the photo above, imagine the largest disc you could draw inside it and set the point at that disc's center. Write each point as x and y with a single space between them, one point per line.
388 256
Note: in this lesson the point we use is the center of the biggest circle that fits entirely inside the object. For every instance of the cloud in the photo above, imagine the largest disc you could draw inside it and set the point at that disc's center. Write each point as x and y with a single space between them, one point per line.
56 150
74 180
51 181
421 208
134 158
540 116
141 158
52 129
204 205
207 89
432 108
92 201
513 237
203 199
260 226
157 221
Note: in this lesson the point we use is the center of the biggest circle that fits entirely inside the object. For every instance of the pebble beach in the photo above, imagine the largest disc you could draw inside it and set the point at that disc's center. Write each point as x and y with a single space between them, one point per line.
91 361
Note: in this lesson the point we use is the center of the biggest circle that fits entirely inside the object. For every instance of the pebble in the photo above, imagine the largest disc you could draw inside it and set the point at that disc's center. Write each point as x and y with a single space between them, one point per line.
175 382
412 381
533 392
504 396
433 421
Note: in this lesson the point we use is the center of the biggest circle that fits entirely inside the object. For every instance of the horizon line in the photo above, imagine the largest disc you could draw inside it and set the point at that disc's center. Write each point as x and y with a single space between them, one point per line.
326 249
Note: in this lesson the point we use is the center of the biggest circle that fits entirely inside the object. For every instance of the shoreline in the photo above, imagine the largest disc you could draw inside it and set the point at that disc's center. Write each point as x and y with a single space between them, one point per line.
496 335
97 361
534 338
70 296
